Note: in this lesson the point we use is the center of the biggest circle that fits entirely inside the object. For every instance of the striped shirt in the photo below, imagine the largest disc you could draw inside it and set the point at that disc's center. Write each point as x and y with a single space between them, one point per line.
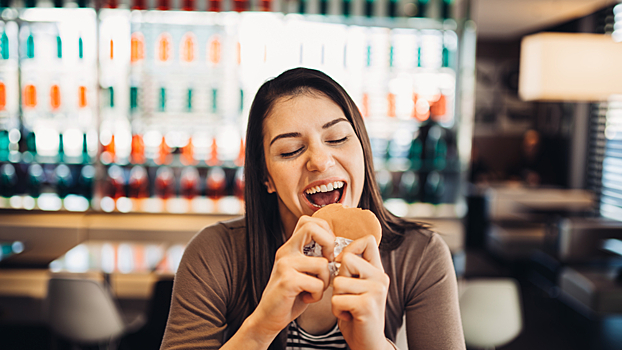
298 339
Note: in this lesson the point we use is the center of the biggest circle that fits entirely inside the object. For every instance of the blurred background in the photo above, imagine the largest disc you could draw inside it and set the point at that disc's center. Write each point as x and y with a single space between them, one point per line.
122 126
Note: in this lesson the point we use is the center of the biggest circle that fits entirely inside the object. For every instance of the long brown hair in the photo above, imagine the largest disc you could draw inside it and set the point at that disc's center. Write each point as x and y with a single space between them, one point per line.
263 222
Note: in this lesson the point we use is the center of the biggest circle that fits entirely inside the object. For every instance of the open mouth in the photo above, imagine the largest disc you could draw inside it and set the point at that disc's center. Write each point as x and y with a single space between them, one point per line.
323 195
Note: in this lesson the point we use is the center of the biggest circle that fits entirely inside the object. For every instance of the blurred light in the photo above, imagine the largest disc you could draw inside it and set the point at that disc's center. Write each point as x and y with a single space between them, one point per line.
105 136
229 205
77 259
88 171
76 203
16 202
152 139
72 142
107 204
47 141
107 257
17 247
56 266
397 206
35 170
29 203
174 255
122 139
124 204
49 202
14 136
176 139
228 141
569 67
125 258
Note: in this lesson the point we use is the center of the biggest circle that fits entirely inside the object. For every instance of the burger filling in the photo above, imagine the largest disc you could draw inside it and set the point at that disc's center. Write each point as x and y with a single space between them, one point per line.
320 196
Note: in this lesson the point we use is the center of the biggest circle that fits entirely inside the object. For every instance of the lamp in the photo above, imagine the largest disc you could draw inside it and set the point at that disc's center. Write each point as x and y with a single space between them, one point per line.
569 67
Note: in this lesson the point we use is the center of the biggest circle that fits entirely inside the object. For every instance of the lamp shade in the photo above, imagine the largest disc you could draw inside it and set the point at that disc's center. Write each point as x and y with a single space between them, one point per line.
569 67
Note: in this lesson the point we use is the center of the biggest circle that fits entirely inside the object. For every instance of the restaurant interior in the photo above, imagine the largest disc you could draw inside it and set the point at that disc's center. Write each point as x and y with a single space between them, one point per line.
496 122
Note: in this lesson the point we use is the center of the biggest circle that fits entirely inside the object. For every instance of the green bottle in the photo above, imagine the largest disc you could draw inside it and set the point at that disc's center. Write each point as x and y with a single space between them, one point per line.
4 46
30 46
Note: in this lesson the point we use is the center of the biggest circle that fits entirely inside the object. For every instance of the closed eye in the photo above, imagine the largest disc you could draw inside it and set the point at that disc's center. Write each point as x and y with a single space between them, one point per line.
336 142
291 154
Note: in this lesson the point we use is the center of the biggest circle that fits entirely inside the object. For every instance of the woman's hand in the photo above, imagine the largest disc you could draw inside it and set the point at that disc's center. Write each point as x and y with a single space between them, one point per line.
360 295
296 280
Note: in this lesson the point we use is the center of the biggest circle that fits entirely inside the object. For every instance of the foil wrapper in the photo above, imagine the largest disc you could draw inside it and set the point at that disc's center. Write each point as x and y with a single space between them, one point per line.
314 249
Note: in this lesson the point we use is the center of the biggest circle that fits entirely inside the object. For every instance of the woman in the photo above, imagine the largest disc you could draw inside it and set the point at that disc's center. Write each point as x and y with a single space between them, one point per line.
245 283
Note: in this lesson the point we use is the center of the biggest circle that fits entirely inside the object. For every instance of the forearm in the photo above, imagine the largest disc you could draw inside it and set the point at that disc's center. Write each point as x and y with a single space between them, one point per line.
250 336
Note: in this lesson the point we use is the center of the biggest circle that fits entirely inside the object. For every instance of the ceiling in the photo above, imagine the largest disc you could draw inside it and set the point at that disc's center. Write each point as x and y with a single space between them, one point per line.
507 19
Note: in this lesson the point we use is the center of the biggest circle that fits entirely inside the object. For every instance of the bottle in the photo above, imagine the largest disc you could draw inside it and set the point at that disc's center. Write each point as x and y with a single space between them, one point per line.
188 5
86 181
137 153
385 183
446 9
165 182
189 182
409 186
422 8
4 145
163 5
214 5
116 182
138 183
8 180
64 180
216 183
369 8
240 5
36 178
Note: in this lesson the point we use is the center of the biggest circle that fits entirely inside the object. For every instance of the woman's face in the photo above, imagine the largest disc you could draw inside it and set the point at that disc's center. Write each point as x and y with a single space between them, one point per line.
313 156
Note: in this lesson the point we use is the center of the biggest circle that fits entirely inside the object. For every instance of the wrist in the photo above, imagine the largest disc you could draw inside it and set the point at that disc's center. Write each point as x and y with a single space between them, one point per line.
254 329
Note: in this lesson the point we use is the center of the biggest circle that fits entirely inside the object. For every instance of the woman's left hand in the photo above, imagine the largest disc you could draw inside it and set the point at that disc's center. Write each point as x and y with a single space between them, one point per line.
360 295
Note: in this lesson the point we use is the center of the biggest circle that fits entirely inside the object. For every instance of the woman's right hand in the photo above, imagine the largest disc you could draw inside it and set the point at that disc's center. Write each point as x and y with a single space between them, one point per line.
296 279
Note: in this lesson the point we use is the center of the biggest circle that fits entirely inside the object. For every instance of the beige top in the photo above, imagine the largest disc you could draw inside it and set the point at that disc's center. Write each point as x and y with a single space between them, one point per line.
209 296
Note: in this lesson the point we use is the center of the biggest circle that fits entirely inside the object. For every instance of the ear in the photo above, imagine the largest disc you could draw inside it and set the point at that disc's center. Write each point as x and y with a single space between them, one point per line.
270 185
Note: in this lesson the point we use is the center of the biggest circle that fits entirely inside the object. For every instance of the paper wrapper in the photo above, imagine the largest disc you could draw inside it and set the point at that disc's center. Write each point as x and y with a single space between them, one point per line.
314 249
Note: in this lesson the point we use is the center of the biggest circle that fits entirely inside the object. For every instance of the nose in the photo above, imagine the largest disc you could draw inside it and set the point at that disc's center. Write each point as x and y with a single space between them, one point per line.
320 158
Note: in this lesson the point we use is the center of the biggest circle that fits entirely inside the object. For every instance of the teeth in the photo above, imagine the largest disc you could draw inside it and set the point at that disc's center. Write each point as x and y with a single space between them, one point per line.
325 188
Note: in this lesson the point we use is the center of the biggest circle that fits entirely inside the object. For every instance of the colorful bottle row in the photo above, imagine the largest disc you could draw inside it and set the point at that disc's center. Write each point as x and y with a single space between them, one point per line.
46 145
120 257
442 9
46 186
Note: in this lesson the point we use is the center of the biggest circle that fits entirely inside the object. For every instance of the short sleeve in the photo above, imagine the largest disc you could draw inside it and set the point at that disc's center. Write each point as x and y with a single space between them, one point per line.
201 301
432 310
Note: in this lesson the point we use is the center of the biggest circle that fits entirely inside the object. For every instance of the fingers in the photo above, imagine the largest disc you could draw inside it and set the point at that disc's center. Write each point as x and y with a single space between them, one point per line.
312 229
347 307
378 285
311 288
365 247
292 266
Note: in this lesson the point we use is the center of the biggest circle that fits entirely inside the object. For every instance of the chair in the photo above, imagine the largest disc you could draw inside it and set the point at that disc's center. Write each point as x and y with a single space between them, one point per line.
491 312
82 311
149 336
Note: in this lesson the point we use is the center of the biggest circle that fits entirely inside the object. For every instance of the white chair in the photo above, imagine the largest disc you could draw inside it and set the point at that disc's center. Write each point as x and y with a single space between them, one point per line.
82 311
491 312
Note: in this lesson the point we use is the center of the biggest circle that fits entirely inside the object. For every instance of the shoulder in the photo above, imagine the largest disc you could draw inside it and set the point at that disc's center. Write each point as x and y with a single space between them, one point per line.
422 257
230 230
420 244
222 238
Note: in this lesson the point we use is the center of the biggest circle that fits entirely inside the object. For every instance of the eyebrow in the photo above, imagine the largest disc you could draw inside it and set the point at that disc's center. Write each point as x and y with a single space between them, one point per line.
297 134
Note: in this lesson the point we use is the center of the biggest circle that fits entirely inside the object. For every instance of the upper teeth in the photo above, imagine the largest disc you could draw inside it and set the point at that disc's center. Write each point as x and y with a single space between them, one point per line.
325 188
